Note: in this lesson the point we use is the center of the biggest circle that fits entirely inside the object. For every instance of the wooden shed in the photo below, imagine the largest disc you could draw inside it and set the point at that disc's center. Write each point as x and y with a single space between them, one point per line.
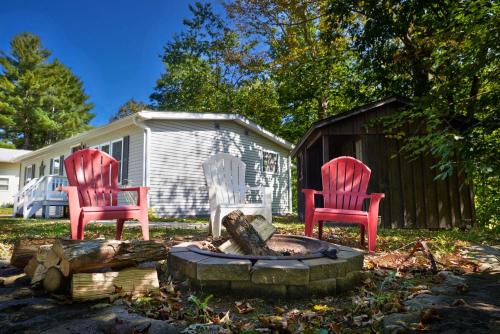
414 199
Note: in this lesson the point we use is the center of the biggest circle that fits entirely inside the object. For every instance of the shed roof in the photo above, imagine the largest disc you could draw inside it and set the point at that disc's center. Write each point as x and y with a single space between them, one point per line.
347 114
8 154
161 115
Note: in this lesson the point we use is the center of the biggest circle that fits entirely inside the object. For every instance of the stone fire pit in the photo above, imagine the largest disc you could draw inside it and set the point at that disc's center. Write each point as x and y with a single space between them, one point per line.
307 271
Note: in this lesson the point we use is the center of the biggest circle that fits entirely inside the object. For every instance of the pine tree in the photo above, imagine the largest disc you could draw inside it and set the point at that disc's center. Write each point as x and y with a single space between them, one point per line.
41 101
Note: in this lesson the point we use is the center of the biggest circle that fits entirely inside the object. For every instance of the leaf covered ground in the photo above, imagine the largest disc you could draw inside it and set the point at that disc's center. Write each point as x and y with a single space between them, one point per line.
391 278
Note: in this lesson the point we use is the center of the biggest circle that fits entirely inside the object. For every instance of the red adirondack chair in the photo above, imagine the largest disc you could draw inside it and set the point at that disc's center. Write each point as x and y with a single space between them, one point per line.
345 181
93 193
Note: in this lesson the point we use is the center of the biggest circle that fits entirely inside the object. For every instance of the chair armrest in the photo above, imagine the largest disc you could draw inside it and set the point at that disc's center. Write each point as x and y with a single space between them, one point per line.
265 192
375 199
72 192
142 194
309 200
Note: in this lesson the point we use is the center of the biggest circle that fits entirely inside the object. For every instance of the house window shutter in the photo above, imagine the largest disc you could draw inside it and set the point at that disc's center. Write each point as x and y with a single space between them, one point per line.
51 167
33 171
25 174
126 146
41 171
61 165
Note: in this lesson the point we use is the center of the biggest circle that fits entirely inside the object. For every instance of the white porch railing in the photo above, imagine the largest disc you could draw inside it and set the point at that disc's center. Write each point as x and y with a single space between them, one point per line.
40 193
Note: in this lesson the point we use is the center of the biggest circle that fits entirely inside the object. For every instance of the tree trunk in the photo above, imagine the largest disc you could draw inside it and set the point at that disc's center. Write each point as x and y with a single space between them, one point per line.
244 234
81 256
25 249
92 286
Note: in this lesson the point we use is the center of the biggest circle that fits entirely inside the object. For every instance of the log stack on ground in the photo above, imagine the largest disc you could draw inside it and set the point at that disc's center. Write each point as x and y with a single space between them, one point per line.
25 249
57 266
249 234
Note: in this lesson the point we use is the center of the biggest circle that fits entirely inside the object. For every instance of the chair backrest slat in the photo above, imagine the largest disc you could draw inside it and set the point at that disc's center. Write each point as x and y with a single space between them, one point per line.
345 182
95 174
225 177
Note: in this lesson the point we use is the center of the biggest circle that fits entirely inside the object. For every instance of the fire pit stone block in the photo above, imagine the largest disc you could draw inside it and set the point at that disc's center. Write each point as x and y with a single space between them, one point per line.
248 288
349 281
223 269
287 272
183 264
323 268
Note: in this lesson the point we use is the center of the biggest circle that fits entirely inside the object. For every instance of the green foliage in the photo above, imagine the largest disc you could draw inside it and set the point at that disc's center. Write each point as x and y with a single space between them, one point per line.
41 101
128 108
287 64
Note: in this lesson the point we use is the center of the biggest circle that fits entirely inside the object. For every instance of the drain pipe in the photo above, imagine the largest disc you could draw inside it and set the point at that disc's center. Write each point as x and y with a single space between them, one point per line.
146 150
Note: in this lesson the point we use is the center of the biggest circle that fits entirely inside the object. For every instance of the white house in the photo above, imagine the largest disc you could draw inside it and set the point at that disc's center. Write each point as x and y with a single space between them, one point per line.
9 175
165 151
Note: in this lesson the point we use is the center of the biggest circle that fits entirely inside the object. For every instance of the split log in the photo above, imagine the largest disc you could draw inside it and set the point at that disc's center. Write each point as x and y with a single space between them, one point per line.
244 234
93 286
54 281
25 249
88 255
31 267
39 274
263 228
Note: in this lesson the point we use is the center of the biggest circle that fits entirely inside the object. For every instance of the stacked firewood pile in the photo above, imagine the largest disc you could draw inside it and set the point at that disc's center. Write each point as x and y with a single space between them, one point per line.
90 269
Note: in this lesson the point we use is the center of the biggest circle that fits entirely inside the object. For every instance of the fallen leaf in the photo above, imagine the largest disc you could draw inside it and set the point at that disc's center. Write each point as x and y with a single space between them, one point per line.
243 308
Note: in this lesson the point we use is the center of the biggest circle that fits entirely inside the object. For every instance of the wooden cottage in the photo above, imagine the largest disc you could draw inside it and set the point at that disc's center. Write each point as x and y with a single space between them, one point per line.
413 198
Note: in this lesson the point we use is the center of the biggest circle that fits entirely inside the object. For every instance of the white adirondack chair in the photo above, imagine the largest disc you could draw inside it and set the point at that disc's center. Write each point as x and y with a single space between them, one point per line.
227 190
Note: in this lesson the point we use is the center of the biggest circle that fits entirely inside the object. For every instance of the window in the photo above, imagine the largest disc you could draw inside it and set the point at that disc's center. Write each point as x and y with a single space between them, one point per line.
115 149
56 166
117 153
104 148
270 162
4 183
28 175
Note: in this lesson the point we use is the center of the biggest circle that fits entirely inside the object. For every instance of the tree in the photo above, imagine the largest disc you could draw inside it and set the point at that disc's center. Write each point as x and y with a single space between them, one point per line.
315 77
209 68
128 108
444 55
41 101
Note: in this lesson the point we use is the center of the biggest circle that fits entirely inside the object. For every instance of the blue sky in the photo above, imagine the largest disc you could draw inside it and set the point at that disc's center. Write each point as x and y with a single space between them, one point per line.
113 46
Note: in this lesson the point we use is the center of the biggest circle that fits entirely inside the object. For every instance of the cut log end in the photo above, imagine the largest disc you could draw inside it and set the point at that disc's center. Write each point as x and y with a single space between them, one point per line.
54 280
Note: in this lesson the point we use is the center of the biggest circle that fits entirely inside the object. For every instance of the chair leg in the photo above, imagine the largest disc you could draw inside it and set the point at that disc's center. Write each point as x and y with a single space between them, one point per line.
144 220
216 223
119 228
80 228
372 234
362 228
75 223
320 230
308 228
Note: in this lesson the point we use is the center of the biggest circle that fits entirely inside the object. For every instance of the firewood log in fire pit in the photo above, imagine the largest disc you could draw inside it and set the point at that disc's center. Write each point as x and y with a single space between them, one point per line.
244 234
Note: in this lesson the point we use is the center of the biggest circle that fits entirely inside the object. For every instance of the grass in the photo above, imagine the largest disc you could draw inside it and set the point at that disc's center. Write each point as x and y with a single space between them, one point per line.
440 241
5 211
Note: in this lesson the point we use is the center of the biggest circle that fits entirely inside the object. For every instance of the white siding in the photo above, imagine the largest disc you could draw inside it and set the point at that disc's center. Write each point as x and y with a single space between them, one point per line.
9 171
135 153
178 149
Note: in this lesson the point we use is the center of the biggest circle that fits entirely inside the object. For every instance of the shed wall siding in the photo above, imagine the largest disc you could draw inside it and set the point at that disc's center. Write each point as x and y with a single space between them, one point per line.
135 153
178 149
